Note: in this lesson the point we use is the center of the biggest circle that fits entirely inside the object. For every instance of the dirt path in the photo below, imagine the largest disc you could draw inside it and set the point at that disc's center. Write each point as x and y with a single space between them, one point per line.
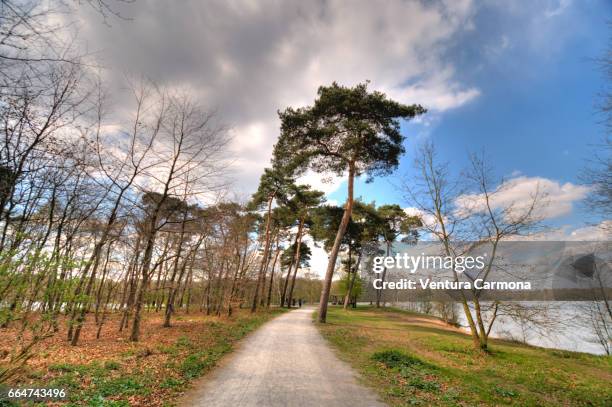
285 363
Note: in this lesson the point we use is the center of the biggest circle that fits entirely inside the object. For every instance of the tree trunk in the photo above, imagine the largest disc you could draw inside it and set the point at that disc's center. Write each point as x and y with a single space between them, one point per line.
265 256
174 285
329 274
142 287
85 305
296 260
102 281
286 283
379 293
347 298
269 299
262 294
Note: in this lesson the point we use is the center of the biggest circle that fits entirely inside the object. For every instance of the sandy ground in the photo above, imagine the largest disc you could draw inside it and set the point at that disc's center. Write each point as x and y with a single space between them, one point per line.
285 363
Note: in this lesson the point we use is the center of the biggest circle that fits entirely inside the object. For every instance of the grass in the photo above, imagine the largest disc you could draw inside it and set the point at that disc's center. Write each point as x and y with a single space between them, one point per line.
413 359
152 372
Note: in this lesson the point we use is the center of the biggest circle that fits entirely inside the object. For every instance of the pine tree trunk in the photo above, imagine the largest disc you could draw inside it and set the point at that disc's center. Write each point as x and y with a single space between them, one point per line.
379 293
269 299
296 260
265 256
286 283
347 298
333 256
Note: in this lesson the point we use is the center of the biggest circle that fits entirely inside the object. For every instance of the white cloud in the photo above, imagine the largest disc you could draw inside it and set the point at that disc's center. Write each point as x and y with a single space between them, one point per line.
558 9
318 259
567 233
441 97
439 92
327 183
600 232
247 60
556 199
429 221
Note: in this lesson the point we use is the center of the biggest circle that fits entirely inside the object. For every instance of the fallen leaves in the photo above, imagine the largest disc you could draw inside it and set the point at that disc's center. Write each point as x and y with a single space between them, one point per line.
150 372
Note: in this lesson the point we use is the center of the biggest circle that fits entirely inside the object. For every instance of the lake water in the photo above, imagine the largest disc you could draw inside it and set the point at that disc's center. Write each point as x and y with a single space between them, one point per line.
560 324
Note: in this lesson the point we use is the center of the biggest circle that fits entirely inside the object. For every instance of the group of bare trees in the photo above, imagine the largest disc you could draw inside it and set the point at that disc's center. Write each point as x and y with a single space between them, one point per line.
109 213
99 219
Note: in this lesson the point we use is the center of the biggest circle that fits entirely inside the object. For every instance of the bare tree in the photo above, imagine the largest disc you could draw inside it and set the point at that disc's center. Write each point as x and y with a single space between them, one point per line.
190 143
478 218
120 174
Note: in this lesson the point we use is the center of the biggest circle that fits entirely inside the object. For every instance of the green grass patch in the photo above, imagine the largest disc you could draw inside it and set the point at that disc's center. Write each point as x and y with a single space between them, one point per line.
396 359
416 361
172 383
122 386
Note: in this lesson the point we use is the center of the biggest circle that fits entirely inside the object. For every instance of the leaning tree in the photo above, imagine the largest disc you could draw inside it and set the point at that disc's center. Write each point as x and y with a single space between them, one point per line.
347 130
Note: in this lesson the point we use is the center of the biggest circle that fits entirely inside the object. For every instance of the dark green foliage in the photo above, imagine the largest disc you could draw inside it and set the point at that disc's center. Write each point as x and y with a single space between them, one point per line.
288 255
344 125
183 341
274 183
396 359
363 227
197 363
68 368
325 223
425 385
417 374
505 392
303 199
395 221
344 284
172 209
7 182
346 130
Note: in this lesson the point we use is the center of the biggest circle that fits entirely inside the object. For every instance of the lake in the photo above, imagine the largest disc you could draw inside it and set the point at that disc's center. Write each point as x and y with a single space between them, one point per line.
554 324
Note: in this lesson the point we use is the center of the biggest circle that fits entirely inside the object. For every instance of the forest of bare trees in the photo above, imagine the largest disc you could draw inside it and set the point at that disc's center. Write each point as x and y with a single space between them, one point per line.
123 219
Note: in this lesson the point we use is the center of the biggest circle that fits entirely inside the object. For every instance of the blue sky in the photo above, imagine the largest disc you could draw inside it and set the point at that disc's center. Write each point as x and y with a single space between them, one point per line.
536 111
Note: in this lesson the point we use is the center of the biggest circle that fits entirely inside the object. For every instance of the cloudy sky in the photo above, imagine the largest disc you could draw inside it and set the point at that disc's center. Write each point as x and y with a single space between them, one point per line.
516 79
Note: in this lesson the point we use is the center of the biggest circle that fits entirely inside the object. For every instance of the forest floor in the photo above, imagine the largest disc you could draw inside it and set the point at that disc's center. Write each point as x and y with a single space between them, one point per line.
412 359
112 371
